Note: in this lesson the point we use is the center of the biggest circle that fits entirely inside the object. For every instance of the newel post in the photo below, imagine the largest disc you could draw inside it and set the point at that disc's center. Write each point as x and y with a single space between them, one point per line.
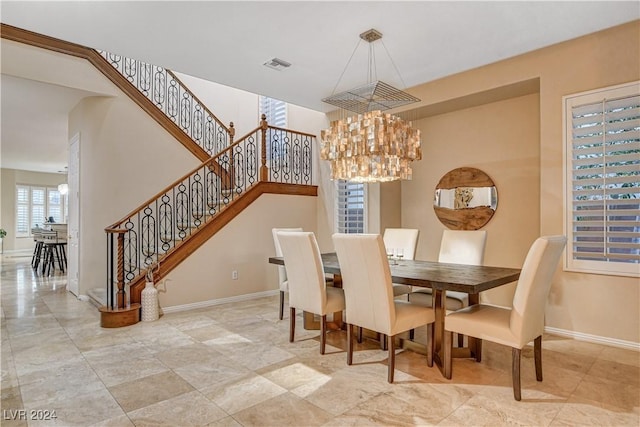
118 313
264 171
232 133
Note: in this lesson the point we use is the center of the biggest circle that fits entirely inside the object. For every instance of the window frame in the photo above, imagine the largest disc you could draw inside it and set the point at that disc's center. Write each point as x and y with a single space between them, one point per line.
603 267
337 210
30 207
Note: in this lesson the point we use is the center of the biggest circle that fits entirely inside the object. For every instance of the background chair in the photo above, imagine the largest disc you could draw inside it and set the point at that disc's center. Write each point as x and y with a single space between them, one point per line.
517 326
366 280
456 247
407 240
307 287
282 272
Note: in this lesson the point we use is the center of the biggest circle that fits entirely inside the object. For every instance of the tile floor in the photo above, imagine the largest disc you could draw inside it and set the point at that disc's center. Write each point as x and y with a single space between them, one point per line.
232 365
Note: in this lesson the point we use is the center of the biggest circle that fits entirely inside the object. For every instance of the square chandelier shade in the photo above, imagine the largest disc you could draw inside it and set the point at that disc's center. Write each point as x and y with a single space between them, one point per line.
373 96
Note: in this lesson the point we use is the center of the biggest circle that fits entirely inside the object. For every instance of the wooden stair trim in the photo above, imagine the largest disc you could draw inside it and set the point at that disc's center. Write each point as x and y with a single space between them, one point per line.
215 224
50 43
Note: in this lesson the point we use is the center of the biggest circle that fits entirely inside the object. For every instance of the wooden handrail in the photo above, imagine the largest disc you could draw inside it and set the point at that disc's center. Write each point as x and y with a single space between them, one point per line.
31 38
292 131
114 227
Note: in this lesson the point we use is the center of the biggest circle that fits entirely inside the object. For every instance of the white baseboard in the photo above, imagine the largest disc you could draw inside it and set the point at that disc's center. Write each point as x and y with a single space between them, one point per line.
212 302
596 339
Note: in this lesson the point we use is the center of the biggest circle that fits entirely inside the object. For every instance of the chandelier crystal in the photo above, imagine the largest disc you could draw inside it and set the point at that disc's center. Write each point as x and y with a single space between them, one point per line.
371 147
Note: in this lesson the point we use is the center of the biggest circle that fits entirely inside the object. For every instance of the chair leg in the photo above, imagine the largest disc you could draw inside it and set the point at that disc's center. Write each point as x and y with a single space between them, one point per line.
515 372
430 335
63 251
359 334
537 355
460 340
349 343
292 323
448 342
323 333
60 258
281 304
36 255
478 349
391 344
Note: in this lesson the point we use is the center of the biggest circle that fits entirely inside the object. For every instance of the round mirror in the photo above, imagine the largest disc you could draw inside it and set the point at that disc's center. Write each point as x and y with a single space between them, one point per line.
465 199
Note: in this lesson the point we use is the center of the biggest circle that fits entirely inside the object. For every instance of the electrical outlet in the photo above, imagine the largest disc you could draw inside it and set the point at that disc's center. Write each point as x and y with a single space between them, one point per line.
234 275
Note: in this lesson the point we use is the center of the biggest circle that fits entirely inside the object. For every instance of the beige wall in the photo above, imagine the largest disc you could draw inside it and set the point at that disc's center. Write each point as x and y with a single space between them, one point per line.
500 138
125 158
600 305
226 103
244 245
11 178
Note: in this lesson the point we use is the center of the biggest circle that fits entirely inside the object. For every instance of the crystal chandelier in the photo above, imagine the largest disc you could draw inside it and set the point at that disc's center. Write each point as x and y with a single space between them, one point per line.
371 146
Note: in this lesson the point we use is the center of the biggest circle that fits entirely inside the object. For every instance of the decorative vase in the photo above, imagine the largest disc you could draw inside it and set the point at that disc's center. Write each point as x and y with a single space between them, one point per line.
150 310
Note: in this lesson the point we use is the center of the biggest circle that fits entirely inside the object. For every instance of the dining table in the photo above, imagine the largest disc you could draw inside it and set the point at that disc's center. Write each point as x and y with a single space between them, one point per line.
440 277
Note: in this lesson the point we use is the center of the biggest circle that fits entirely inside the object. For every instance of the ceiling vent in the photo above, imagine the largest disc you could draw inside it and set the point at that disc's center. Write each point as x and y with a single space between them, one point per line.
277 64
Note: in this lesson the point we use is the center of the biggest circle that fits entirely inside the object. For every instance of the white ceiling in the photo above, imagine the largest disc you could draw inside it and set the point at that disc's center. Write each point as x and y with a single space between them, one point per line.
227 42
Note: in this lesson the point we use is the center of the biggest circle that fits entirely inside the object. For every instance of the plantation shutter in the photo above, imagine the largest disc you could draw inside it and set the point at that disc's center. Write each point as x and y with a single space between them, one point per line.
22 211
605 181
38 214
350 207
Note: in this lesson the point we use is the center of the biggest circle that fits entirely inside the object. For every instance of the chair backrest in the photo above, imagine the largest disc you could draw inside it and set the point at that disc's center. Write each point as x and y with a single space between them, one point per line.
463 246
305 273
530 299
405 238
282 272
366 280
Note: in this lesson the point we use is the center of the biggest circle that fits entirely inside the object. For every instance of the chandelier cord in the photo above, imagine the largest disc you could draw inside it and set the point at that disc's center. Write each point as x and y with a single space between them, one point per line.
345 67
404 85
372 70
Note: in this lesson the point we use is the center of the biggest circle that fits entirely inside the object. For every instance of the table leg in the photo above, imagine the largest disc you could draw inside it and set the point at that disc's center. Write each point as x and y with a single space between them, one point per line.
439 298
475 345
309 321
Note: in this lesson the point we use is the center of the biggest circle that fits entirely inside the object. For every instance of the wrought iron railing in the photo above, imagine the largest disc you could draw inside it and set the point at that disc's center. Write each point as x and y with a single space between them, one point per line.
175 100
144 237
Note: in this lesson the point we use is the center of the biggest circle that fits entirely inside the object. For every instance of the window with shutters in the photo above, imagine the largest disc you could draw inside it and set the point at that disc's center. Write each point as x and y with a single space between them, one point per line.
350 207
35 205
602 204
275 110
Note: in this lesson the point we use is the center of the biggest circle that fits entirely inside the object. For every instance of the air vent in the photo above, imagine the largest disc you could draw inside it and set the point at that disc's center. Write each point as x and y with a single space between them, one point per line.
277 64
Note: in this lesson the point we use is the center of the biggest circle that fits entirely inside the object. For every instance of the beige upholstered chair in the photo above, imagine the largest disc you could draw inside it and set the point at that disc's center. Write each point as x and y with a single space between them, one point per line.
366 280
456 247
282 272
307 286
407 240
517 326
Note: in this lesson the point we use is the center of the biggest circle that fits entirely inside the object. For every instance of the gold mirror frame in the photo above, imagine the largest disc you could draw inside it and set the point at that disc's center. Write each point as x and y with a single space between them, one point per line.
454 202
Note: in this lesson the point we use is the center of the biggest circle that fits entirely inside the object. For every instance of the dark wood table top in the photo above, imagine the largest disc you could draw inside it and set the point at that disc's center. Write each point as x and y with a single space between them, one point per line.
471 279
